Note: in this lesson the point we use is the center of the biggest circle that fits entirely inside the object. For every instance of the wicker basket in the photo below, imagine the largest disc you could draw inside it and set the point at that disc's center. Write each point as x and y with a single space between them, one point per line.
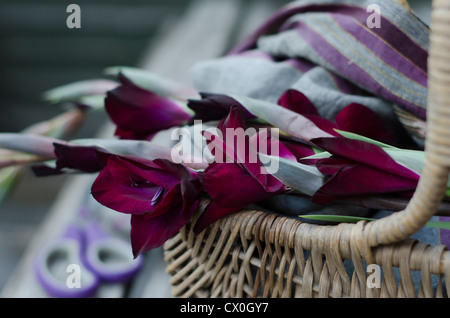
258 254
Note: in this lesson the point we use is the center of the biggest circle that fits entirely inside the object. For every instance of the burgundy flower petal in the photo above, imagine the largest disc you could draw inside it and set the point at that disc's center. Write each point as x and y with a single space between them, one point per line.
365 153
184 195
142 171
148 233
180 171
219 148
138 112
297 102
232 186
231 143
124 194
264 143
267 181
234 119
131 135
331 166
236 139
166 201
351 179
160 195
191 191
324 124
77 157
214 107
298 149
211 214
361 120
81 158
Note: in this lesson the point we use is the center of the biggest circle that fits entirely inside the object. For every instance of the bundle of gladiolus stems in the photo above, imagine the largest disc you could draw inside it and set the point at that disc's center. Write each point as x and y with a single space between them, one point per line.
175 146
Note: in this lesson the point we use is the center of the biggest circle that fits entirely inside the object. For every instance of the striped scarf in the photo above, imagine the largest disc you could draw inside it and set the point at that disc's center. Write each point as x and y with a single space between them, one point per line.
336 53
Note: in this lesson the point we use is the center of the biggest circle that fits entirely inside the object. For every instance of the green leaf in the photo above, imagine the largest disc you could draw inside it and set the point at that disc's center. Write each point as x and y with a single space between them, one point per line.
439 225
302 178
356 219
29 143
319 155
94 101
136 148
154 82
412 159
76 90
354 136
336 218
8 178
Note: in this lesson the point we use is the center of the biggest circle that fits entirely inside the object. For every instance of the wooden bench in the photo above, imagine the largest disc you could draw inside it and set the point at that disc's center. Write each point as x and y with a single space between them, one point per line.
205 30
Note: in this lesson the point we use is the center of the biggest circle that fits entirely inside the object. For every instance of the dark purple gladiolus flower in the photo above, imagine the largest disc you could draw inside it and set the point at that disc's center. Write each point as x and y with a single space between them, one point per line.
86 159
235 185
298 149
354 118
161 197
297 102
215 107
363 121
360 168
139 113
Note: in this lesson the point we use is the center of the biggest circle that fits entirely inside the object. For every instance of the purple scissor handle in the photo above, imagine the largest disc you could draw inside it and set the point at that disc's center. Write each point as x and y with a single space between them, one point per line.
109 257
53 261
99 255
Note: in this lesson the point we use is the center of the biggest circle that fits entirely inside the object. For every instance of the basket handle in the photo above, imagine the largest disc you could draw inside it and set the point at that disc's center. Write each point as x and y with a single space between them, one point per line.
433 182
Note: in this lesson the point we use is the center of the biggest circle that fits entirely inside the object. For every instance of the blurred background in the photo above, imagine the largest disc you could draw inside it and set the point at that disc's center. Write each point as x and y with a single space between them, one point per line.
38 52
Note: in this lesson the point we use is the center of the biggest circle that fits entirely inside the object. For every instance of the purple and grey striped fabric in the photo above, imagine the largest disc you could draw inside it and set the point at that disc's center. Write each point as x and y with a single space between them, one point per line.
327 50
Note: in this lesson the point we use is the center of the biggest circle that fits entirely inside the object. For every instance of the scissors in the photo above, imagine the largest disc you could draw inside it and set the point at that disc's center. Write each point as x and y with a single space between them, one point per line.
86 254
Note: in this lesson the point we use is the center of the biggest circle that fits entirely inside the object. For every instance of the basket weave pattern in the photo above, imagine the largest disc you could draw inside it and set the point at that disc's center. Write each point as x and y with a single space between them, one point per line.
257 254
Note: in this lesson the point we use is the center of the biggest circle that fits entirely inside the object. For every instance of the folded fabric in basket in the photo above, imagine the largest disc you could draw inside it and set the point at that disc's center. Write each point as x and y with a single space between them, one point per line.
336 53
